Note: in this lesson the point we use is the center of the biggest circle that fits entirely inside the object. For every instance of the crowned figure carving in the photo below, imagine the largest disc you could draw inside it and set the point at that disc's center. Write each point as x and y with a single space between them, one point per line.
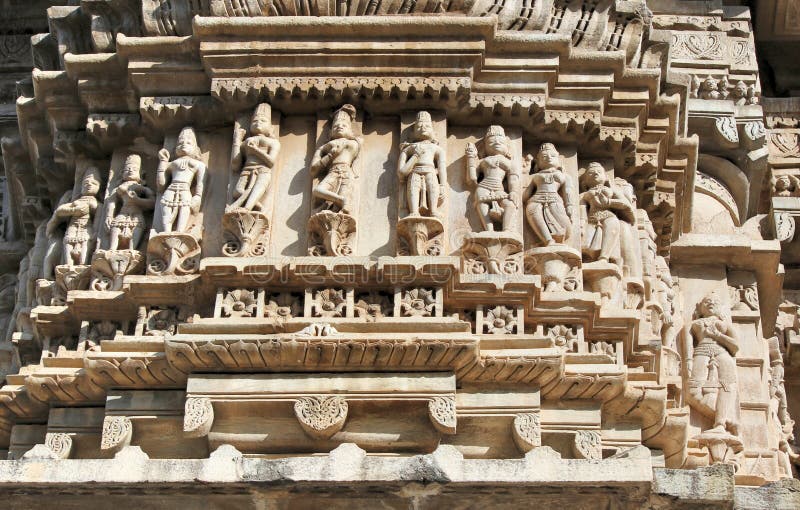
332 226
174 246
713 386
126 225
253 157
422 174
495 179
549 213
68 251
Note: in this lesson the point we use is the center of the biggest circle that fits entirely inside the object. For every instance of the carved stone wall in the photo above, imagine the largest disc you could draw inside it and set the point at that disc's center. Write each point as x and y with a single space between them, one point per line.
553 237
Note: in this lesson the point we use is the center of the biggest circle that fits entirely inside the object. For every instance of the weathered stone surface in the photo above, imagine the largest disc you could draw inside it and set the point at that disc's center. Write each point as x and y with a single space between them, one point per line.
428 255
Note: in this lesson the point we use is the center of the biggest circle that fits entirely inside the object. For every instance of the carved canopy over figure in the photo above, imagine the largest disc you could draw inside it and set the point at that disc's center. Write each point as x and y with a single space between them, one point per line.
178 201
545 210
496 181
126 225
606 206
336 158
422 169
713 382
259 151
79 234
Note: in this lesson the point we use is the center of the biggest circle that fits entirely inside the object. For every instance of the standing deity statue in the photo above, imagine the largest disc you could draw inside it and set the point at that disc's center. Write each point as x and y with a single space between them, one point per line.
259 152
126 225
335 159
496 181
80 233
606 207
178 201
421 168
545 210
713 383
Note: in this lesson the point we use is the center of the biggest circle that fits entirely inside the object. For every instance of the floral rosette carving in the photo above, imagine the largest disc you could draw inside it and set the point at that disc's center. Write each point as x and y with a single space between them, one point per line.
500 320
419 302
282 306
373 305
239 303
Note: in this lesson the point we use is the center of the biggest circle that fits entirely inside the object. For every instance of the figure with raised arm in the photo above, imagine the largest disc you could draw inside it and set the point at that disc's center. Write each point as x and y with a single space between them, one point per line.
496 181
175 179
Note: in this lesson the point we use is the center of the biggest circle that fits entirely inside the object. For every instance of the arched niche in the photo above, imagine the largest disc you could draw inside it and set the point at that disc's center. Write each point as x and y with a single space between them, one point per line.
731 177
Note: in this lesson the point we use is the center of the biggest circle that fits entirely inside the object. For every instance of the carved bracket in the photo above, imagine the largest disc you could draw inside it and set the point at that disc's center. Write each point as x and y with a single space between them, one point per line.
442 412
322 416
117 433
587 445
198 416
59 443
527 431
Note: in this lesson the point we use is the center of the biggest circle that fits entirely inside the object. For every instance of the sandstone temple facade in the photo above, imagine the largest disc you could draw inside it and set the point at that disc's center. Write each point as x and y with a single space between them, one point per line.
405 254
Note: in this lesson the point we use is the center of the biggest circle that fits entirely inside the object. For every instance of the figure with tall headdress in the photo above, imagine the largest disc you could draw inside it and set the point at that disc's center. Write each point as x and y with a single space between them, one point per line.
332 226
126 205
335 159
421 168
175 179
79 234
545 211
258 151
496 181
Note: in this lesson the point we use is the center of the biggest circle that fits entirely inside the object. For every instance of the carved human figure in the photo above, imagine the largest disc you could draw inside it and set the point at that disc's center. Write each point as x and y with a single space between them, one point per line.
787 186
79 234
602 229
713 384
496 181
544 209
335 158
259 151
421 168
665 292
126 205
175 178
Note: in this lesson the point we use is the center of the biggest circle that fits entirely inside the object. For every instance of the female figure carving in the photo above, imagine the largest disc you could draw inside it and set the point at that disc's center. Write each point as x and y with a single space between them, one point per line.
126 226
259 152
545 210
713 384
336 158
494 200
602 233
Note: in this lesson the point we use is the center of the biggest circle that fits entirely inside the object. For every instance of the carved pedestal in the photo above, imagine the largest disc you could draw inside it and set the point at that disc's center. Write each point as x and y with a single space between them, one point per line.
173 253
558 266
723 447
245 233
492 253
331 234
420 235
110 267
604 278
67 278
